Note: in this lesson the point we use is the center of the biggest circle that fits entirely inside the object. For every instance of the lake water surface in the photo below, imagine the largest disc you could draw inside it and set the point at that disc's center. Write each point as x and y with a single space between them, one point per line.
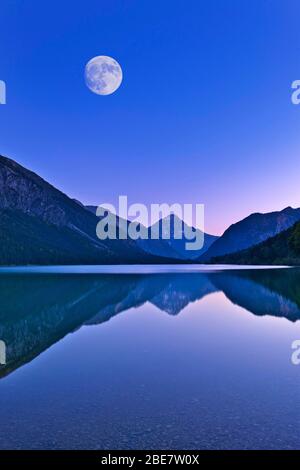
149 358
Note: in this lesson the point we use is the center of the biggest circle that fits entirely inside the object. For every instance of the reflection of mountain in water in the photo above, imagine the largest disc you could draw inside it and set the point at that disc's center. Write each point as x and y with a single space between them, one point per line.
263 292
37 311
180 290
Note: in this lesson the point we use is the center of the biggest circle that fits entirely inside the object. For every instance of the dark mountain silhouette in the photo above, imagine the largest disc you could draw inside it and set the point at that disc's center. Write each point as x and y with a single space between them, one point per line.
169 246
41 225
283 249
251 231
178 246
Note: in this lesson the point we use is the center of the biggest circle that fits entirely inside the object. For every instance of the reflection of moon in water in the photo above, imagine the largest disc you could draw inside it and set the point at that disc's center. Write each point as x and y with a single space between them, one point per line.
103 75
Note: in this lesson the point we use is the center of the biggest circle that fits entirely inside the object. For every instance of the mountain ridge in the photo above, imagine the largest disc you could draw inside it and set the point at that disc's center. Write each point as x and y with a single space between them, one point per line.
250 231
172 247
282 249
42 225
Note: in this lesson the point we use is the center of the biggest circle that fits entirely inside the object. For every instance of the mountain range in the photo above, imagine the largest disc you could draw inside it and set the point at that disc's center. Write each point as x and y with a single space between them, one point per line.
171 247
282 249
41 225
251 231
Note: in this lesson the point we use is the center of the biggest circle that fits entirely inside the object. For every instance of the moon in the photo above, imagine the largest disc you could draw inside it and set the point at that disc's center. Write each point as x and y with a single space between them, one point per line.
103 75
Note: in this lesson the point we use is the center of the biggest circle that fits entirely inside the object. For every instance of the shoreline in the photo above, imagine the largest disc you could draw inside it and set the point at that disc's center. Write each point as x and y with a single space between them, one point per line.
133 269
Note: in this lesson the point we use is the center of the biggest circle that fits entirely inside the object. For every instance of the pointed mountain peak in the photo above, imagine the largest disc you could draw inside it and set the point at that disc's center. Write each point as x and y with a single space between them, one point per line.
289 210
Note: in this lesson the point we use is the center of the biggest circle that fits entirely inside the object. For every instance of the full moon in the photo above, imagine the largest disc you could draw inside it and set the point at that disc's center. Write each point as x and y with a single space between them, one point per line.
103 75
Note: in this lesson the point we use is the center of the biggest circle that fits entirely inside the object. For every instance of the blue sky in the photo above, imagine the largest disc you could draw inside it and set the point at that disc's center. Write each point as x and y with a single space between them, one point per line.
204 113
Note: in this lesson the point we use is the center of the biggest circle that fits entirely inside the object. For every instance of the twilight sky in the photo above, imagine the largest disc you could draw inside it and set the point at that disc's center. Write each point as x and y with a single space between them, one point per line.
204 113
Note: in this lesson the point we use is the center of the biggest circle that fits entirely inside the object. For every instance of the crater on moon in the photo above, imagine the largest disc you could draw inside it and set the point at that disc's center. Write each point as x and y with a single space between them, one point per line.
103 75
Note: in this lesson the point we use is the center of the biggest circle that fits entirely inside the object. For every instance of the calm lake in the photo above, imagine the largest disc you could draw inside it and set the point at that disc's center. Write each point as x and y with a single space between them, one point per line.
149 358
